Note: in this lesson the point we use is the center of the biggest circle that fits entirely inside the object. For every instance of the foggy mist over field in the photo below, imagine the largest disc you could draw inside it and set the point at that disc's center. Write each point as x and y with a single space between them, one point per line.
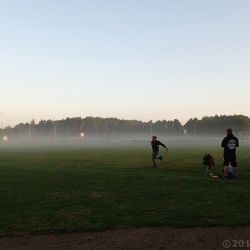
103 132
125 140
96 131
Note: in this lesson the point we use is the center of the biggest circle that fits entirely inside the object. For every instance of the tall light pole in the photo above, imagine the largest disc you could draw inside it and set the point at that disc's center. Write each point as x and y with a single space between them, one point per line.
29 130
151 127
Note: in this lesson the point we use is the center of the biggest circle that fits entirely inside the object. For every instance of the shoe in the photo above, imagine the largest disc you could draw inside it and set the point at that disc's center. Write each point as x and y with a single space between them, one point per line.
154 166
160 158
224 177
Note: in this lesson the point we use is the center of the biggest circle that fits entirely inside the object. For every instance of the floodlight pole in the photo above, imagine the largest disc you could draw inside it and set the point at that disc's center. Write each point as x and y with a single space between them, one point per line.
29 130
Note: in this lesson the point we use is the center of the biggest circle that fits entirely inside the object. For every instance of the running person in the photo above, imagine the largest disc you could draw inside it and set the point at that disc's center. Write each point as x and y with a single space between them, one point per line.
230 143
155 149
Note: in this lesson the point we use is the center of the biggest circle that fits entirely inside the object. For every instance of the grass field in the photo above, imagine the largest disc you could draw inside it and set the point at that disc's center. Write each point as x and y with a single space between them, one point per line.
77 187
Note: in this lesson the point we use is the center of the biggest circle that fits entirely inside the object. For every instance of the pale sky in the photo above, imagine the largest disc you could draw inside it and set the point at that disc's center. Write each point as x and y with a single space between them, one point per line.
129 59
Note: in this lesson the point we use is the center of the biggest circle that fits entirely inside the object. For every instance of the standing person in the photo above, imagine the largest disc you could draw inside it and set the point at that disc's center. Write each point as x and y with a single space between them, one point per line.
230 143
155 149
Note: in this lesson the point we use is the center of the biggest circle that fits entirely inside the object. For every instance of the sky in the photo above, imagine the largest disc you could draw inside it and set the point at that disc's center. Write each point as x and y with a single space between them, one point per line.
129 59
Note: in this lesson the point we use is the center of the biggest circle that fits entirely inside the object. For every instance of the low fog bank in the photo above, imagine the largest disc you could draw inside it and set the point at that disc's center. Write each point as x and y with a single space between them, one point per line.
118 140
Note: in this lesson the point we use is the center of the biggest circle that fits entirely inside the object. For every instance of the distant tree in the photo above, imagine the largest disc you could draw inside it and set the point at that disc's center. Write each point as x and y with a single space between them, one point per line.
218 124
103 127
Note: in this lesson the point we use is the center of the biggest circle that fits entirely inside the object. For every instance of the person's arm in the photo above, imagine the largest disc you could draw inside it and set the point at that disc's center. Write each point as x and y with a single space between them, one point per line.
163 145
237 142
223 143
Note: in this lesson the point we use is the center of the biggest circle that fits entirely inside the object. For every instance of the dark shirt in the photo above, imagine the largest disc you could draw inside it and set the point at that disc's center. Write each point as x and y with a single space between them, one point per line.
230 143
155 145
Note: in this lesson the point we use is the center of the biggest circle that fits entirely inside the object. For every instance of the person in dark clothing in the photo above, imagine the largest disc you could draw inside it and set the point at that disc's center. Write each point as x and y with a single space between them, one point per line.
155 149
230 143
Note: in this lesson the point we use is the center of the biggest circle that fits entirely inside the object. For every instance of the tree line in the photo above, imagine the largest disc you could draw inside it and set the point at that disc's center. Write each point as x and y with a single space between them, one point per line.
95 127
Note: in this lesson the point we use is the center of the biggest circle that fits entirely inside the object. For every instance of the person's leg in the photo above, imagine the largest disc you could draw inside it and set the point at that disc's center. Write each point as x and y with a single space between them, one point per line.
225 171
234 165
236 171
210 170
154 164
226 166
154 156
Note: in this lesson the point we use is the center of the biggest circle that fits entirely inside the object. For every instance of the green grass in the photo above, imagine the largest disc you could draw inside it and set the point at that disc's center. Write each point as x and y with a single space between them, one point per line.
74 188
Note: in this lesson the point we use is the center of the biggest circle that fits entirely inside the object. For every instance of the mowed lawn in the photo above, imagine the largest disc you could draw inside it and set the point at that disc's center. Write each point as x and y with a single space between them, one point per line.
86 187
